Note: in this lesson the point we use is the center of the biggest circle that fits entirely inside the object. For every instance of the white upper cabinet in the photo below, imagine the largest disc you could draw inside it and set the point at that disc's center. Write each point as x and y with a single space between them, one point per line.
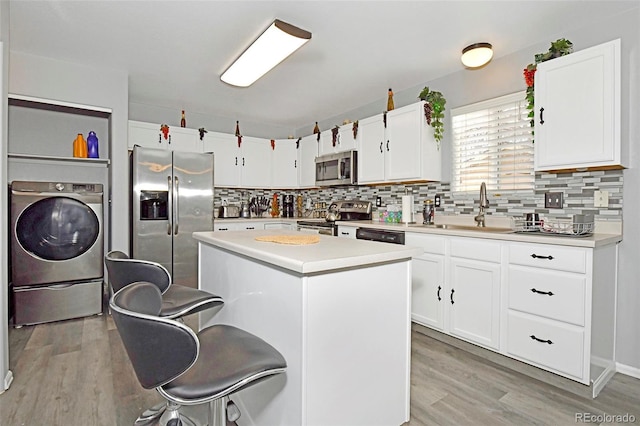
184 139
408 147
307 153
226 158
343 140
255 162
149 135
284 172
371 153
577 109
247 166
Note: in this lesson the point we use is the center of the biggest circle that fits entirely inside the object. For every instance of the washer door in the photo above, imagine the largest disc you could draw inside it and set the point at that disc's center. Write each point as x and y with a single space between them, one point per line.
57 228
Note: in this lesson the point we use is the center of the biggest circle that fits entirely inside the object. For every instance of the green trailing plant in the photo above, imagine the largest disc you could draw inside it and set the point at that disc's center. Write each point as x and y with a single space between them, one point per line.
434 111
560 47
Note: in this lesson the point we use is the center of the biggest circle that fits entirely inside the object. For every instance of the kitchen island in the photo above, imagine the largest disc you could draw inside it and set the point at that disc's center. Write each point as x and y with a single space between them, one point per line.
339 312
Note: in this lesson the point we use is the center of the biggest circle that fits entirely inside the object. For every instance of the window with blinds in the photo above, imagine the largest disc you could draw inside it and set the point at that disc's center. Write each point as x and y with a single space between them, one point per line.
492 143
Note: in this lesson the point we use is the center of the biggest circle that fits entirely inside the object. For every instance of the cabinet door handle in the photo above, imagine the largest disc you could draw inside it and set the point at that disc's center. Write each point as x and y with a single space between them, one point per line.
387 145
169 139
537 256
295 164
548 293
242 161
236 161
439 298
451 296
541 119
381 151
159 137
540 340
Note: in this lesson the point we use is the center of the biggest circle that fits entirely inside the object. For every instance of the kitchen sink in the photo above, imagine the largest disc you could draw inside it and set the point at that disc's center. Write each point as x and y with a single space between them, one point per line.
465 228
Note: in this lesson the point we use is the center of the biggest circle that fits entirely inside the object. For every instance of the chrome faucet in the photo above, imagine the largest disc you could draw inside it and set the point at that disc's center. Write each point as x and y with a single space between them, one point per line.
484 203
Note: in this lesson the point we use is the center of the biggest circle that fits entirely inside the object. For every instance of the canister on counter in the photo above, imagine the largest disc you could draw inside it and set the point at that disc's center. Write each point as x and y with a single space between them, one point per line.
428 212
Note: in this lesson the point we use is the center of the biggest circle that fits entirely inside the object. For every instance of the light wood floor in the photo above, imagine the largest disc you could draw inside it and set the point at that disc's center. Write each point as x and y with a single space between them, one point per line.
76 373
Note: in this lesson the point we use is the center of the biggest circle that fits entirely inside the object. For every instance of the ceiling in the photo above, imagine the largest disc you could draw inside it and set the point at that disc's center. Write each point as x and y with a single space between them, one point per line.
175 51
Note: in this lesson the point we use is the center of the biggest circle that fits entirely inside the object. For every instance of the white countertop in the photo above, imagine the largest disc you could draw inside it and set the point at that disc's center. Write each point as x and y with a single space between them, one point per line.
592 241
331 253
262 219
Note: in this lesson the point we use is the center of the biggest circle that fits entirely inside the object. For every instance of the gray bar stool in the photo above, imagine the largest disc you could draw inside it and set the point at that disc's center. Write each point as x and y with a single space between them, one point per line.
177 300
188 368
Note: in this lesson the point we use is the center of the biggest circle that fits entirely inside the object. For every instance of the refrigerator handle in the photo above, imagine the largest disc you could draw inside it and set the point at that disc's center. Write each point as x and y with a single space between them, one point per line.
170 207
176 213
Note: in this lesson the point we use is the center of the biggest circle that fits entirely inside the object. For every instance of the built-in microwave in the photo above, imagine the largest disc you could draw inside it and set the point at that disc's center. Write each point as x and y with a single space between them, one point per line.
337 169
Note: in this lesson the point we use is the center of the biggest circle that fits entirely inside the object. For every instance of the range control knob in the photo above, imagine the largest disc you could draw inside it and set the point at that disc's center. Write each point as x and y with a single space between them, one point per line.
60 186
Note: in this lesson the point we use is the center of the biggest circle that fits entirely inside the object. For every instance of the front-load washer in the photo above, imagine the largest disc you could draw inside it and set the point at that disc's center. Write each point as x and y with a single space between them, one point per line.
56 250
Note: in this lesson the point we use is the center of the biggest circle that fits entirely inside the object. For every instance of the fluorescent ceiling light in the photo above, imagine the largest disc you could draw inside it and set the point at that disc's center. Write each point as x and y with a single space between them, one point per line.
476 55
272 47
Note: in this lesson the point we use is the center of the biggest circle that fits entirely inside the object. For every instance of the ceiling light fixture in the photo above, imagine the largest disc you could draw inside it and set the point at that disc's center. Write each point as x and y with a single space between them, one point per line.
476 55
273 46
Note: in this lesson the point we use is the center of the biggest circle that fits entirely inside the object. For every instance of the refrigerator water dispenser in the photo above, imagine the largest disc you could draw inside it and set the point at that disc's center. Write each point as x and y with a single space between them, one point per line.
153 205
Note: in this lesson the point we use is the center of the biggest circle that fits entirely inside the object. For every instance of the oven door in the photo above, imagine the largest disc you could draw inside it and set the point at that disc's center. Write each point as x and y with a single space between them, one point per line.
311 229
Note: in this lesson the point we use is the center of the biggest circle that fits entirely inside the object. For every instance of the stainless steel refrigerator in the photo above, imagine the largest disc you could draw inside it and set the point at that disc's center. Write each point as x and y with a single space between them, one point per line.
172 198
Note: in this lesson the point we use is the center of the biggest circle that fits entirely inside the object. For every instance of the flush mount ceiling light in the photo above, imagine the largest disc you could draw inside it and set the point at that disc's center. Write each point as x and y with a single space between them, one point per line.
273 46
476 55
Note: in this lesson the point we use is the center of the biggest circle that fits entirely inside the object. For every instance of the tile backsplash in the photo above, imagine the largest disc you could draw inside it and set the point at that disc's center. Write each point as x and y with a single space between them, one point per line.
577 189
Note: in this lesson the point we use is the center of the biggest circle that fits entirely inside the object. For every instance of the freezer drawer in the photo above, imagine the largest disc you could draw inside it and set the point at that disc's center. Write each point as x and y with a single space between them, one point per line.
56 302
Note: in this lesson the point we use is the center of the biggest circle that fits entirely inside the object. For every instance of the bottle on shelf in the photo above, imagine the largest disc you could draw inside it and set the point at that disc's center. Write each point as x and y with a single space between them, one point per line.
80 147
183 120
92 145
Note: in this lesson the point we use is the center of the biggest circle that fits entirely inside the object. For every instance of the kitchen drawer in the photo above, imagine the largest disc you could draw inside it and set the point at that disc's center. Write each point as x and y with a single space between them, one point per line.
551 294
430 243
475 248
561 347
347 232
561 258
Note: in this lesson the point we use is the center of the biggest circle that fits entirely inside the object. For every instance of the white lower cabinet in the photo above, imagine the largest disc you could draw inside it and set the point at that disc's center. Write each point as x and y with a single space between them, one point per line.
546 343
550 306
237 226
346 232
456 287
474 291
428 286
560 310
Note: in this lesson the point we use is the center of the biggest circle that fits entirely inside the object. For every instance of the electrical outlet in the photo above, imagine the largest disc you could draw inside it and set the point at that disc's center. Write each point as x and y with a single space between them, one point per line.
600 198
437 201
553 200
378 201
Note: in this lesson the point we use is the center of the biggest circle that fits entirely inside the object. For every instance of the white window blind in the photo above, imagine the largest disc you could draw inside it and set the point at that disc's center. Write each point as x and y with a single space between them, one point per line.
492 143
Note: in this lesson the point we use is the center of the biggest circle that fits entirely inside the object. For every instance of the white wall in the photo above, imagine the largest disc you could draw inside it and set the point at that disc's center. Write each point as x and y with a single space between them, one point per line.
63 81
503 76
5 373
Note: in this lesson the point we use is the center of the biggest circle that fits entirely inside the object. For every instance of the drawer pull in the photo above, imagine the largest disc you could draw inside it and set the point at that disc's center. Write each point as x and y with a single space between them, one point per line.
439 298
451 296
540 340
550 293
537 256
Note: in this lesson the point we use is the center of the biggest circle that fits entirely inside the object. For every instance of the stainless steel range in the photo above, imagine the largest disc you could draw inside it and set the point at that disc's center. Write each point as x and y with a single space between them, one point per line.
338 210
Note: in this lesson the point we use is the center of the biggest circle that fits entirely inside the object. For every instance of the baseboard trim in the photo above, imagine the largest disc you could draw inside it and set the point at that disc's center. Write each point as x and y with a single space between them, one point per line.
8 379
628 370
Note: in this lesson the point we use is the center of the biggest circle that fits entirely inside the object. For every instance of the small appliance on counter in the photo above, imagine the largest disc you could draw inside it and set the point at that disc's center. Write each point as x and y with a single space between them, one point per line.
287 205
338 210
226 212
